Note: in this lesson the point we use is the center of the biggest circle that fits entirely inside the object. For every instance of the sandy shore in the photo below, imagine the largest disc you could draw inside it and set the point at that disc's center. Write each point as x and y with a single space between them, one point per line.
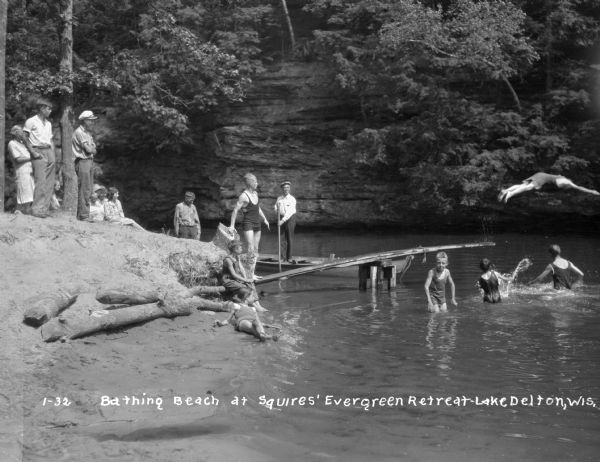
169 359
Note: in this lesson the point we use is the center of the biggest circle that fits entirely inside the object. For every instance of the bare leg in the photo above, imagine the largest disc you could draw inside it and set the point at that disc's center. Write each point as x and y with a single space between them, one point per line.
507 193
565 183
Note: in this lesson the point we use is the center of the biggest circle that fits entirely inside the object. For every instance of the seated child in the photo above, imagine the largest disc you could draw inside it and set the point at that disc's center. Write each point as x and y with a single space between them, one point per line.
489 282
96 208
245 318
233 277
435 285
113 210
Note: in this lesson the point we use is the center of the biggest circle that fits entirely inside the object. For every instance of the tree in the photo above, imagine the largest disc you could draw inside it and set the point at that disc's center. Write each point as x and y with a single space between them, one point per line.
3 18
66 96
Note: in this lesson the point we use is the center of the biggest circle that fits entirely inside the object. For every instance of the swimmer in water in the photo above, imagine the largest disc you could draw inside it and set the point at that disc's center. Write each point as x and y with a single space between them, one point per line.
564 273
540 180
489 282
435 285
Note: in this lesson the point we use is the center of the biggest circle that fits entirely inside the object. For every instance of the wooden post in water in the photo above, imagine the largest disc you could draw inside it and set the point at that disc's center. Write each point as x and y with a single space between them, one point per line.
389 273
374 273
363 276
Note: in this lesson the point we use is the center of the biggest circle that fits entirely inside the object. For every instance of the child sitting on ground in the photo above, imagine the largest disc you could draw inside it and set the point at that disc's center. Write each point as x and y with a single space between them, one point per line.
435 285
489 282
245 318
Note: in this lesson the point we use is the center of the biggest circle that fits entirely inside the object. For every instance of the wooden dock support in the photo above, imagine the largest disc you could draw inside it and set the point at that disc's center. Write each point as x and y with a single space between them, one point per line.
376 273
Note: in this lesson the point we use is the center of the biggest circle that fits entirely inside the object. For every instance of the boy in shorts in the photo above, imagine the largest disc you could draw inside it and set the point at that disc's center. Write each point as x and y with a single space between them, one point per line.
435 285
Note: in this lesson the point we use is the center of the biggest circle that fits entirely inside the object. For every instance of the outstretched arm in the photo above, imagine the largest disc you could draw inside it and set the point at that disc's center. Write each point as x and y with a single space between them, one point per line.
576 270
542 276
264 218
234 274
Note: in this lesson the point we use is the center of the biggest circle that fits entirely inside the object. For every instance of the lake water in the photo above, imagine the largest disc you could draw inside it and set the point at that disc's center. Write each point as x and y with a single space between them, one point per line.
539 346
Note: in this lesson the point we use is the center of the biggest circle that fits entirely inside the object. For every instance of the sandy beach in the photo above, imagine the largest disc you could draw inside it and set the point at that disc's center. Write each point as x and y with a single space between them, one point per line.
118 395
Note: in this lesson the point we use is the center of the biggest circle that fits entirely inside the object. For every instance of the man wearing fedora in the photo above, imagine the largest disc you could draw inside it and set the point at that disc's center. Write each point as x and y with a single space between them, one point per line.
84 150
186 220
286 209
38 139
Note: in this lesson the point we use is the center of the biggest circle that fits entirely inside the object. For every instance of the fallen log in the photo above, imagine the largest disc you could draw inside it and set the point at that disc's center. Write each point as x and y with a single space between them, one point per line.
127 296
210 290
75 324
44 307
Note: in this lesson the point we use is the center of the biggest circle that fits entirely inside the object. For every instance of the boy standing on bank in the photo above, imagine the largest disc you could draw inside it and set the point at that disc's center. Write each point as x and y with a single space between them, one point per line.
435 285
187 221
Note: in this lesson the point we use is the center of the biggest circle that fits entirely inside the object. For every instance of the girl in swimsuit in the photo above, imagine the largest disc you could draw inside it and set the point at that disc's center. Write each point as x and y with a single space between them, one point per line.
435 285
564 273
538 181
253 215
489 282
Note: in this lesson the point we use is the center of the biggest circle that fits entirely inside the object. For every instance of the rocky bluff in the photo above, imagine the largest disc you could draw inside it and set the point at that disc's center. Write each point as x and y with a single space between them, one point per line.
285 130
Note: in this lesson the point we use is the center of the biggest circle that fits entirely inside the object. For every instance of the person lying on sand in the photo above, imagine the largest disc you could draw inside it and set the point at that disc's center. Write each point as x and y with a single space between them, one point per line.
245 318
540 180
564 273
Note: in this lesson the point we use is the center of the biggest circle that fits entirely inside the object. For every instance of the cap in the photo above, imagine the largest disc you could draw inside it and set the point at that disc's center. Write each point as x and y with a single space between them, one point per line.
234 243
98 187
285 183
190 194
43 102
87 115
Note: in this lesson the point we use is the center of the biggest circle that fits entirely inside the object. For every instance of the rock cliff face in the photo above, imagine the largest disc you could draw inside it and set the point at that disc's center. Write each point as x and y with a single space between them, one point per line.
284 130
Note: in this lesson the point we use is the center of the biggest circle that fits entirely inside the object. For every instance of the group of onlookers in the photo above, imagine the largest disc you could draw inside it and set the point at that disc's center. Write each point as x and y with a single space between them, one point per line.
33 154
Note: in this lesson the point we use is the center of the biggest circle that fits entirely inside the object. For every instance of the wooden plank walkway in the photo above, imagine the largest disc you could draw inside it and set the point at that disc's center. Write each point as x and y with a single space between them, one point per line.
367 258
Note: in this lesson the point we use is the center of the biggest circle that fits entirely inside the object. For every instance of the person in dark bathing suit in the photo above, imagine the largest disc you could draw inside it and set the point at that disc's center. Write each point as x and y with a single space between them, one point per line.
564 273
540 180
253 215
489 282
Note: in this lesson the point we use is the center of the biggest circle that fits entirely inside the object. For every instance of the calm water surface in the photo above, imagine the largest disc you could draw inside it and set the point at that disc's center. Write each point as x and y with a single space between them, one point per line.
347 344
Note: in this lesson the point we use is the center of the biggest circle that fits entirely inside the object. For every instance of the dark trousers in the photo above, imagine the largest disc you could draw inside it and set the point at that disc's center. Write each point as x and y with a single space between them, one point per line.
188 232
44 177
85 180
288 232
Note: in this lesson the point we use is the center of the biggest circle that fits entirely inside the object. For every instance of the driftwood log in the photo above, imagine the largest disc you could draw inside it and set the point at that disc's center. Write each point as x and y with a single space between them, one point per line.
127 296
44 307
75 324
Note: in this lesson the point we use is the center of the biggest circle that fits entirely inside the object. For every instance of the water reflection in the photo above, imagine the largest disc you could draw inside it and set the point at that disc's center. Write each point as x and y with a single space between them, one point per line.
441 340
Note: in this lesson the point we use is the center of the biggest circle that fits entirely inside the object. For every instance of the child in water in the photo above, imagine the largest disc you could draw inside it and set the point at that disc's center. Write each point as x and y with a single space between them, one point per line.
245 318
435 285
489 282
564 273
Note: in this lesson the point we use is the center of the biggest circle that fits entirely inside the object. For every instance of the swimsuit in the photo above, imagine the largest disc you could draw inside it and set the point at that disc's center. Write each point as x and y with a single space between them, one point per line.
437 288
491 292
245 313
251 220
541 179
561 276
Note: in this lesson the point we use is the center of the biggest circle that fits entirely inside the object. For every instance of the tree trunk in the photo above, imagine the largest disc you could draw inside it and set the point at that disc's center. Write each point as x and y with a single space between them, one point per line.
548 45
67 165
289 23
3 13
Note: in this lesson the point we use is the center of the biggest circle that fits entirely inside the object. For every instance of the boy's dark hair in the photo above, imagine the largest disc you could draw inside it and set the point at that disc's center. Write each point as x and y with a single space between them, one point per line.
485 264
554 250
111 192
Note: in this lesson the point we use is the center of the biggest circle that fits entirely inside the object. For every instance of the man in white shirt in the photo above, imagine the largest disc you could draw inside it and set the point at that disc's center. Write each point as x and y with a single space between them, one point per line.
38 139
286 209
84 150
186 220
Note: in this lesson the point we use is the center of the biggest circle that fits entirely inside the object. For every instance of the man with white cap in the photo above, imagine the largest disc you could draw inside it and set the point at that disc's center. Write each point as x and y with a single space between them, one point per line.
186 220
84 149
286 208
38 139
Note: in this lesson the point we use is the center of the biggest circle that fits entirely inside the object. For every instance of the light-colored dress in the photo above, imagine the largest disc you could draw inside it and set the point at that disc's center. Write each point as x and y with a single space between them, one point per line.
96 212
23 171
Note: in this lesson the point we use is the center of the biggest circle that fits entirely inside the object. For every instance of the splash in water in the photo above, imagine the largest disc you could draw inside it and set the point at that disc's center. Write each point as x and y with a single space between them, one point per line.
523 265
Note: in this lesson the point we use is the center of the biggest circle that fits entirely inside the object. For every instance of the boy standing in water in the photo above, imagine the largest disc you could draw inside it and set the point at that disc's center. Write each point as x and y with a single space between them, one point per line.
435 285
562 270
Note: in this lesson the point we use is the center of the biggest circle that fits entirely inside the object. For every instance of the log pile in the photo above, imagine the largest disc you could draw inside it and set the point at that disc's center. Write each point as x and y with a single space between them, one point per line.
63 319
